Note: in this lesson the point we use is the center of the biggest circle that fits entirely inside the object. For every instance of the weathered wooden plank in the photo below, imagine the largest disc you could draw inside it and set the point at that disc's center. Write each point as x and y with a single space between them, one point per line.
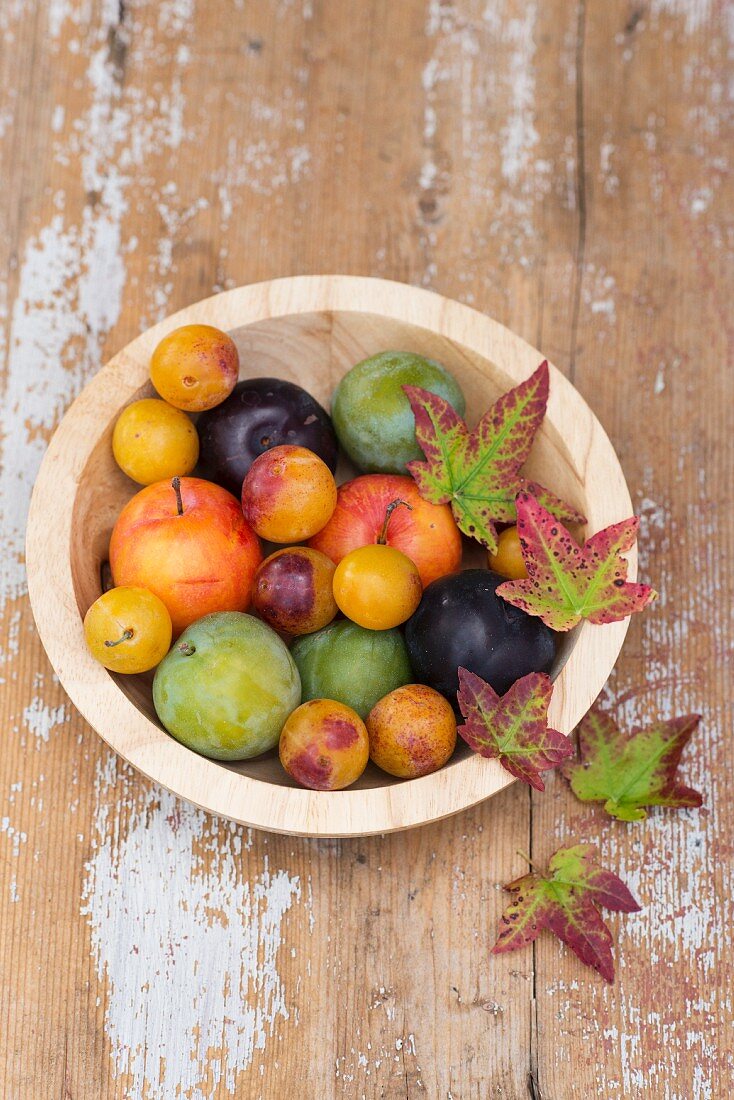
650 351
159 152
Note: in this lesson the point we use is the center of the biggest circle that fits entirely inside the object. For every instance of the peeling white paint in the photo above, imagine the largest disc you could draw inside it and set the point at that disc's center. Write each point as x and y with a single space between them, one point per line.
58 11
694 13
175 221
37 386
279 159
607 151
488 160
175 17
701 200
55 314
429 79
41 719
360 1065
600 293
263 167
15 836
57 118
72 276
439 17
519 135
190 952
11 11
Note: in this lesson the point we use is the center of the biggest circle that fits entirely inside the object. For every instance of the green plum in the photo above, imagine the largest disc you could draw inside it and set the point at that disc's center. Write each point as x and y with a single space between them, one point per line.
351 664
372 415
227 687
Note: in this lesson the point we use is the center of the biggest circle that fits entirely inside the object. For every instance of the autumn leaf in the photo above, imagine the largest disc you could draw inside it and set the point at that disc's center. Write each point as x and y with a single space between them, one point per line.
565 901
628 772
512 728
478 472
567 582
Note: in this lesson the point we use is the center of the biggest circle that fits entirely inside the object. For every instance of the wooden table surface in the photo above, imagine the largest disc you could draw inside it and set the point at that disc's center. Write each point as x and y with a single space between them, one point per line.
560 165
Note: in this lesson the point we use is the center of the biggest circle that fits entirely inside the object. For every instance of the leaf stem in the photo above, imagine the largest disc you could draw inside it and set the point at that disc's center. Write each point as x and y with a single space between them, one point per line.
527 859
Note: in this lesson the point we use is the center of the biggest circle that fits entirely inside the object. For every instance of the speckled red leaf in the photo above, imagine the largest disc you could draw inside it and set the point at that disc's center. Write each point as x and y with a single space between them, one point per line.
567 582
478 472
565 902
512 728
628 772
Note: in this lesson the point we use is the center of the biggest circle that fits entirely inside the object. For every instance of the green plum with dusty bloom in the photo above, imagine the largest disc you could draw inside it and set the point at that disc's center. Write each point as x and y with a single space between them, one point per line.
372 416
227 686
351 664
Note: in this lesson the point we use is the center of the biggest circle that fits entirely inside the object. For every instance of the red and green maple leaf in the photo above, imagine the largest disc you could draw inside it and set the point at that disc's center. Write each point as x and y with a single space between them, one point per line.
566 901
512 728
628 772
567 582
478 472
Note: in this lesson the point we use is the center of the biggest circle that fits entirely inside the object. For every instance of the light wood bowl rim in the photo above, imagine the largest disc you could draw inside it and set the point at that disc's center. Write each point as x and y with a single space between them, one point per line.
139 741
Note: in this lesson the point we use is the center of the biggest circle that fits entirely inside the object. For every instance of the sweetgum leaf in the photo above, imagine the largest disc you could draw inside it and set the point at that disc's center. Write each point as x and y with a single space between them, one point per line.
628 772
567 582
512 728
565 901
478 472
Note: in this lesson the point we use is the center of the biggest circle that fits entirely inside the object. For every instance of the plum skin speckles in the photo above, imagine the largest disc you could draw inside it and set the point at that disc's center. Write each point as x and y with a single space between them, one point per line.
195 367
412 731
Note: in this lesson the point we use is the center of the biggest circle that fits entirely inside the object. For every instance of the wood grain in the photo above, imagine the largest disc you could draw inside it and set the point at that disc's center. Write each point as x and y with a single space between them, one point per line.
562 167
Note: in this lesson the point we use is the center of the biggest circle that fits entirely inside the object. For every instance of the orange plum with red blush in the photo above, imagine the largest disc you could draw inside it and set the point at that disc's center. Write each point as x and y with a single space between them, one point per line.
288 494
324 745
188 542
412 731
425 532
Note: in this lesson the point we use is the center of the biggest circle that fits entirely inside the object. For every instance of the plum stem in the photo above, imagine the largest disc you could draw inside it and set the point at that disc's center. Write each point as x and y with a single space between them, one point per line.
382 539
176 483
126 636
187 648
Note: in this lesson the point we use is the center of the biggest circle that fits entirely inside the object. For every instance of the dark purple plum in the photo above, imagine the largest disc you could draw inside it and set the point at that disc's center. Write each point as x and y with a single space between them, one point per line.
261 413
461 621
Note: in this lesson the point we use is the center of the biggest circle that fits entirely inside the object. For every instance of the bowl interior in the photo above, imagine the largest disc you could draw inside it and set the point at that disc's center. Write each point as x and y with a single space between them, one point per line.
313 350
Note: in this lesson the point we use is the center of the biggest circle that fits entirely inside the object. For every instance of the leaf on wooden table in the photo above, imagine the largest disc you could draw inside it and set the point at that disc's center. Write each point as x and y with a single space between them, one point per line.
512 728
567 582
566 901
478 472
628 772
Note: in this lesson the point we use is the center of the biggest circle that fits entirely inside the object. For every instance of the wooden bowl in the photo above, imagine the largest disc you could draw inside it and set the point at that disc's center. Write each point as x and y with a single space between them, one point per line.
310 330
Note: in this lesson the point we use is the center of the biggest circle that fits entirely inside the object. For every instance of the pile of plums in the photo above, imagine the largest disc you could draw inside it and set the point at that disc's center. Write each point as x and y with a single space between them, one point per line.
279 609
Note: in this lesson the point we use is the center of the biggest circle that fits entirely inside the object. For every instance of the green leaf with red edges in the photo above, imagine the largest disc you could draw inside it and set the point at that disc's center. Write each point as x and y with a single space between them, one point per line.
512 728
628 772
478 472
567 582
565 901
